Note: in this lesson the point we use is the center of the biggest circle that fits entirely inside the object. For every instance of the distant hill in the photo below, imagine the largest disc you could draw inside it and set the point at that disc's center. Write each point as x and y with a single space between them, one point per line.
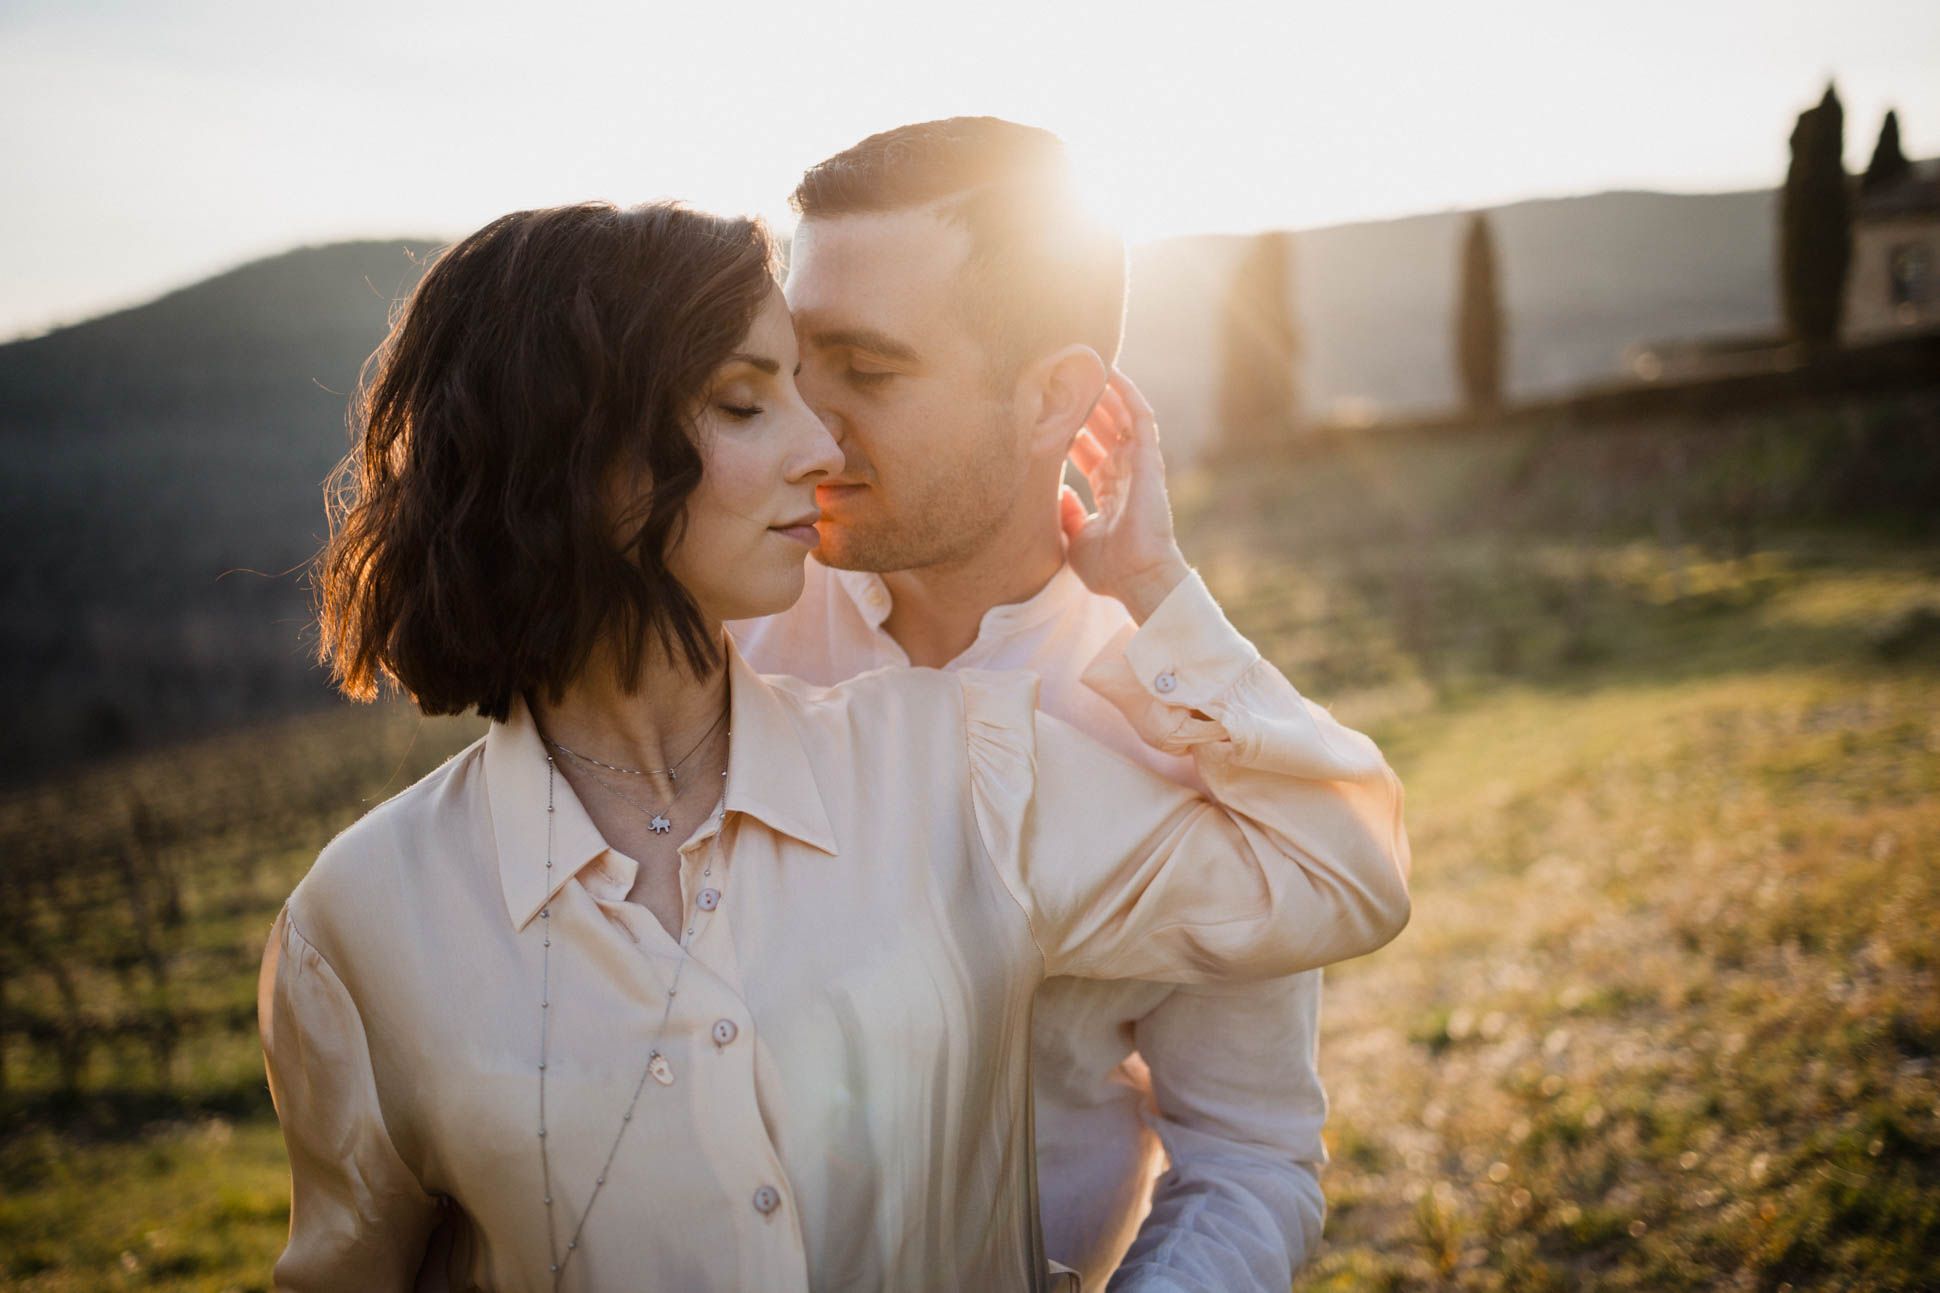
1583 278
151 455
156 455
242 345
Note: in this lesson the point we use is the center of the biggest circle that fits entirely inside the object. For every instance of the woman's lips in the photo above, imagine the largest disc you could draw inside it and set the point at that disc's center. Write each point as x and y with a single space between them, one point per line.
801 530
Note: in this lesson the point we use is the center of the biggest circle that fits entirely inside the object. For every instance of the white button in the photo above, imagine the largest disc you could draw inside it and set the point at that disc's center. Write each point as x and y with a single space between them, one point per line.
708 899
766 1200
1164 683
725 1031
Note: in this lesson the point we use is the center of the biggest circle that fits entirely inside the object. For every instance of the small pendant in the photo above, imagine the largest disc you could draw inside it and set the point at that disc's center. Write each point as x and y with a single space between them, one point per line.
660 825
660 1070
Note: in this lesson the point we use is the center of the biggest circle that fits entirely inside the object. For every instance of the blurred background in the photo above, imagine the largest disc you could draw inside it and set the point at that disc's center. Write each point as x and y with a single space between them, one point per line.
1552 390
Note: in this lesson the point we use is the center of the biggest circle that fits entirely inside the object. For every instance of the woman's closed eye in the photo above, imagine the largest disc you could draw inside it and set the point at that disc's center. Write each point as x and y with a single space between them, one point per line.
742 412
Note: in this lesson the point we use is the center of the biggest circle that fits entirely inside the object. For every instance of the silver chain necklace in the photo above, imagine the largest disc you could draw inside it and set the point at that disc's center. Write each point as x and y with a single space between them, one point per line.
659 822
672 774
657 1066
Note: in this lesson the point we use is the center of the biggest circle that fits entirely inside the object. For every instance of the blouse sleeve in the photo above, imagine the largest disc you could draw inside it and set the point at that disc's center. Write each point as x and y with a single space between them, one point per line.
1296 860
358 1217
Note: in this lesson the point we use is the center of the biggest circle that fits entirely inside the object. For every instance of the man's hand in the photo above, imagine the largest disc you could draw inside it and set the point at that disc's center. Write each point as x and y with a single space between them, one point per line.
1125 549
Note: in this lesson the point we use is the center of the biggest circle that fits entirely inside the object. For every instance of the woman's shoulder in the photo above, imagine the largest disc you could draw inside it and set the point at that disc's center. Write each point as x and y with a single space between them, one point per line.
388 848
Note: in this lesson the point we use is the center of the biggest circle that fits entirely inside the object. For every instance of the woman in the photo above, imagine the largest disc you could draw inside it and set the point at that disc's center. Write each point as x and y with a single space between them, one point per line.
683 978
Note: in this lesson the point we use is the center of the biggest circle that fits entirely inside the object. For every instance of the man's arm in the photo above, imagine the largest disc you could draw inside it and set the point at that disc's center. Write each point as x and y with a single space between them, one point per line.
1233 1067
1240 1112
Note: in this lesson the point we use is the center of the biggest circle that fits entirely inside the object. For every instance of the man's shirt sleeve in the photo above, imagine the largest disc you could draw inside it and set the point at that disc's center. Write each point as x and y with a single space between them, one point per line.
1240 1113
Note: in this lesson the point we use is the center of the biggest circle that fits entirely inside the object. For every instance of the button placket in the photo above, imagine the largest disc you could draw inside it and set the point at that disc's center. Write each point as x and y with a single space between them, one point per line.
708 896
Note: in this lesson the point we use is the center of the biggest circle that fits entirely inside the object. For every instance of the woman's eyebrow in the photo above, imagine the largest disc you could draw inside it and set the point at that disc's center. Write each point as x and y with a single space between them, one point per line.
772 367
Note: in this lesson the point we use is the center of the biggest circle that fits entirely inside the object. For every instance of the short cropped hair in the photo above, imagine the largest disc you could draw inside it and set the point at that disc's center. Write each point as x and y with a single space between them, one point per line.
1043 273
474 552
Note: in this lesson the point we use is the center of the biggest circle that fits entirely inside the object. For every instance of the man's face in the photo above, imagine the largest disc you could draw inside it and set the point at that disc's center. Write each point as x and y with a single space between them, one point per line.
933 460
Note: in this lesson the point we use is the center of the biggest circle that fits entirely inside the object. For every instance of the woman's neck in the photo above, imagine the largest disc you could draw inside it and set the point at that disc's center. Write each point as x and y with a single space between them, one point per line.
650 726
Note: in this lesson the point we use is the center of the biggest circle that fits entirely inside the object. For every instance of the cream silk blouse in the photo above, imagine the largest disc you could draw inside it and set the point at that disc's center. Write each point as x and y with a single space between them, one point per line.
897 865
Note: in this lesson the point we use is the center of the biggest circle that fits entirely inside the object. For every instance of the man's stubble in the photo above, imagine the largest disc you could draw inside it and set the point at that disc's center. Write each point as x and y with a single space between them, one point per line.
955 513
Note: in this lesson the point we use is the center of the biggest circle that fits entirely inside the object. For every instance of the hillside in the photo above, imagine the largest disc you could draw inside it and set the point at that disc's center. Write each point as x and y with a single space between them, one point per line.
155 457
243 345
165 462
1583 278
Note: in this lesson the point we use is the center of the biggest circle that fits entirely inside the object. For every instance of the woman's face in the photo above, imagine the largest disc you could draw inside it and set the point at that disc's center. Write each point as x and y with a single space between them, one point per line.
751 522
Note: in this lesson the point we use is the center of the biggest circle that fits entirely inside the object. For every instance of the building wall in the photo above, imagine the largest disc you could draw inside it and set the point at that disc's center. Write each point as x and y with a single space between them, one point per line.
1871 310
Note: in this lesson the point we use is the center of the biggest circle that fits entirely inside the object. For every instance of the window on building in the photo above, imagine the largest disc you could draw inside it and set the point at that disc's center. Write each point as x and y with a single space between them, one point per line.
1908 271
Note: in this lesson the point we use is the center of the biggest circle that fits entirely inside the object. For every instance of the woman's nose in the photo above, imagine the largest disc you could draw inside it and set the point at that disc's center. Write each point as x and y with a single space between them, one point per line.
820 454
810 384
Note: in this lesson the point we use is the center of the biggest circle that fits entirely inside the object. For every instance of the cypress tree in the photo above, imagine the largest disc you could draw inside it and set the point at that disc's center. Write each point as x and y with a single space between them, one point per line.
1478 320
1889 165
1815 225
1259 347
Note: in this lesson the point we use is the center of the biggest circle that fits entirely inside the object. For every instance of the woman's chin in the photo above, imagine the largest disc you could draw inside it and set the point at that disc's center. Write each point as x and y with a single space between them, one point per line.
770 593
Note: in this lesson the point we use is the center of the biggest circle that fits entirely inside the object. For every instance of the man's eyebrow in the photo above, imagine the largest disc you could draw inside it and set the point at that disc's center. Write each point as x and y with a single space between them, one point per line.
772 367
876 343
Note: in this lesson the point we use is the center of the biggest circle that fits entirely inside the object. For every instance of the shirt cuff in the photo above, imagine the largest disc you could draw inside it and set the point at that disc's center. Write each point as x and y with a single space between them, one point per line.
1167 677
1187 653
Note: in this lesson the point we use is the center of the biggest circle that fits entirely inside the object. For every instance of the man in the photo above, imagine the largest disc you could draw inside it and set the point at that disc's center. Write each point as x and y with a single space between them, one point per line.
958 314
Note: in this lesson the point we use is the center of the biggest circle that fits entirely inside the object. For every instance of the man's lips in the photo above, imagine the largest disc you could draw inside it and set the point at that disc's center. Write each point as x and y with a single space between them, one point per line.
833 494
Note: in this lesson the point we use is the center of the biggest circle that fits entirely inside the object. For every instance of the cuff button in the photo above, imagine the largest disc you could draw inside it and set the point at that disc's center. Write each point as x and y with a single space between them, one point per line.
1165 683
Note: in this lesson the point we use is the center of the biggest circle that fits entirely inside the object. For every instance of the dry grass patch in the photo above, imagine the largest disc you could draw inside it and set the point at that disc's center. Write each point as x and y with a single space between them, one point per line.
1667 1014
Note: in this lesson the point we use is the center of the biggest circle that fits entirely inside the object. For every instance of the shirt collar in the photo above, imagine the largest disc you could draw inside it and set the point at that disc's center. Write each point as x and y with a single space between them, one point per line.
871 597
769 778
869 594
518 784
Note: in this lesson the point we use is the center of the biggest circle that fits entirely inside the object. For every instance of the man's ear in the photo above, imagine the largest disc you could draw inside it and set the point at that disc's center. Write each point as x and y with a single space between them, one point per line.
1066 384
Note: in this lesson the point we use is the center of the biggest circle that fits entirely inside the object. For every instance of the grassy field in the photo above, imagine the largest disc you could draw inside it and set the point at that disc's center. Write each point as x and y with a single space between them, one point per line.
140 1149
1666 1016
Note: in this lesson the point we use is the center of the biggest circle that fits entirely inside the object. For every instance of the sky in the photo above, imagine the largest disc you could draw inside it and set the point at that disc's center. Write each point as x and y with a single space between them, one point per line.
147 144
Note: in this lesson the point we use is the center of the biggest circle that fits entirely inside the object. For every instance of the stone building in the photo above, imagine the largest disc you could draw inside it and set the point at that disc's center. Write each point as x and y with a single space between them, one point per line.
1893 284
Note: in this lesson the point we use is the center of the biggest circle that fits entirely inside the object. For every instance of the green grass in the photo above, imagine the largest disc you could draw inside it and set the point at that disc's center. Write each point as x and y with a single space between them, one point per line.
188 1206
139 1148
1666 1016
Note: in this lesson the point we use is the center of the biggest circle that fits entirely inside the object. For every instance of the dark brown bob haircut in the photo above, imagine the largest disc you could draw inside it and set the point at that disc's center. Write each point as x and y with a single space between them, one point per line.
1041 272
542 361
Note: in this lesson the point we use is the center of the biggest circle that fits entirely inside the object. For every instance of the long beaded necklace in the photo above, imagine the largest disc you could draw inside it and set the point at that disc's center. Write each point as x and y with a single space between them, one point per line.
657 1066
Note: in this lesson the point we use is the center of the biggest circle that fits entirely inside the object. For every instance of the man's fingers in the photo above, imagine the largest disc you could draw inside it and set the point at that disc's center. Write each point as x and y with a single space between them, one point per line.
1071 512
1108 424
1141 423
1121 416
1086 452
1102 423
